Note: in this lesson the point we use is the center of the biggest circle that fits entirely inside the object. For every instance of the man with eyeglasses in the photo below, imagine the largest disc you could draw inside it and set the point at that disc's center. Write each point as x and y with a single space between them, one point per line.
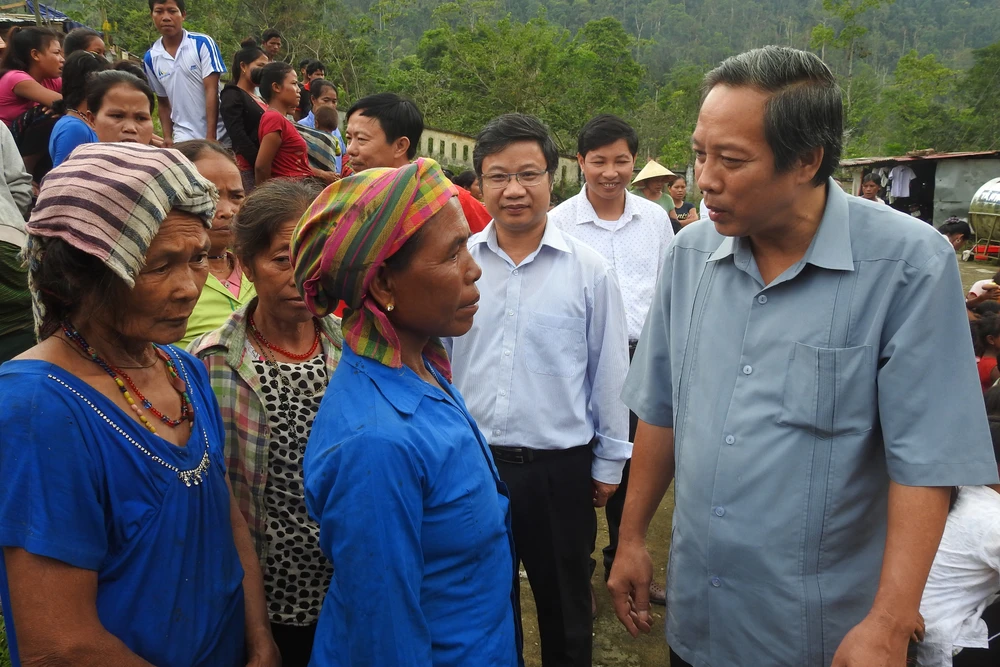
541 371
632 233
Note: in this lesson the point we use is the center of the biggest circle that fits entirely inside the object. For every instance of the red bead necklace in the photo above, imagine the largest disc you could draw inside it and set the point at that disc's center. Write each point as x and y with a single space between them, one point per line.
274 348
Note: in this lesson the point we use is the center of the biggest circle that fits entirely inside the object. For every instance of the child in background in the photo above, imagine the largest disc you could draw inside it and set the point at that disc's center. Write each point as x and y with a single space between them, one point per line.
326 119
986 343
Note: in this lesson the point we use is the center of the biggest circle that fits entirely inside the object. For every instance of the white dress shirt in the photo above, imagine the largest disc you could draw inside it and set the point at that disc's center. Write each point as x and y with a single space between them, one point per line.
635 244
964 578
546 359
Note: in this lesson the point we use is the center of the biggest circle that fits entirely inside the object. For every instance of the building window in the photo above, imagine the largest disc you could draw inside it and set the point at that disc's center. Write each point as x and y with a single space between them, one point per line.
454 151
563 179
430 146
442 148
465 153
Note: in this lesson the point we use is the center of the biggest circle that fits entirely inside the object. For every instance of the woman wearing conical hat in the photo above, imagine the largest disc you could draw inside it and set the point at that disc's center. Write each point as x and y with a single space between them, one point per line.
651 183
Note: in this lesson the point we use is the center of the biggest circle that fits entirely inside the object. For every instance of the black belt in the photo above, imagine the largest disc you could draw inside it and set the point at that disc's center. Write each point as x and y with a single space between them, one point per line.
521 455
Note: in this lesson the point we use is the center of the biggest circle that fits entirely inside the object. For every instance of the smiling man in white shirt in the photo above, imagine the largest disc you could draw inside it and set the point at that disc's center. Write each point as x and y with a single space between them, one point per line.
633 234
541 371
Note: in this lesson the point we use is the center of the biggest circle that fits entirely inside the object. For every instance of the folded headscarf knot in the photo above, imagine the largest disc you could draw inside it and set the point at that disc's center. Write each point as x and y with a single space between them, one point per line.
348 233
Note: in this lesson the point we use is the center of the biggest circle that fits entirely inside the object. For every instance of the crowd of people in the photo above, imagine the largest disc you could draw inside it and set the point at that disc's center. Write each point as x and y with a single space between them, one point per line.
281 395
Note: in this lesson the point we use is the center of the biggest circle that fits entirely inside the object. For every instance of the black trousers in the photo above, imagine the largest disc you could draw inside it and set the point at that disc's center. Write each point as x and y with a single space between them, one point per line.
295 643
675 660
552 512
616 503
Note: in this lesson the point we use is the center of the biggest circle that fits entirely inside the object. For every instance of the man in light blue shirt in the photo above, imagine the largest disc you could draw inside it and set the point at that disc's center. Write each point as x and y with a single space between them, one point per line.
806 376
541 372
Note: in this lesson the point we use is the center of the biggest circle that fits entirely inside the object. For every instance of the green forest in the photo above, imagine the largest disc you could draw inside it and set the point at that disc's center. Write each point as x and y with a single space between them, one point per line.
916 73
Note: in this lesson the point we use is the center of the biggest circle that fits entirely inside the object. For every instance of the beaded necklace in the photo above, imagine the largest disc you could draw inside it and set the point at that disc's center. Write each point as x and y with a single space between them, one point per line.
187 409
297 357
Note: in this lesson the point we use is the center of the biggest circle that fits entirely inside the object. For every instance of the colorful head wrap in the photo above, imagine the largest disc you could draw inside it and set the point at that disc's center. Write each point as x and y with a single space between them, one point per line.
109 200
349 232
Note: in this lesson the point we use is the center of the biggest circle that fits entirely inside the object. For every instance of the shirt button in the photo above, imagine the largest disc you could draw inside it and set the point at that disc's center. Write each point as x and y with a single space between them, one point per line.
506 353
496 431
762 299
730 440
720 511
510 313
515 272
503 392
747 370
716 582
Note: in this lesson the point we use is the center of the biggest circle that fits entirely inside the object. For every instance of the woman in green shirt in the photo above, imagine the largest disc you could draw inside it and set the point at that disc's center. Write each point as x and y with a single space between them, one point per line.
227 289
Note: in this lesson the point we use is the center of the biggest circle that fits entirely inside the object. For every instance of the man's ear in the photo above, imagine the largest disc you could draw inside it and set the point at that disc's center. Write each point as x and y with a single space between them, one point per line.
809 164
400 146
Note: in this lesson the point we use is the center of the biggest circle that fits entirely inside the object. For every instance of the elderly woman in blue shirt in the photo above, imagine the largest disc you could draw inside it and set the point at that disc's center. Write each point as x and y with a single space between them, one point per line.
121 541
411 510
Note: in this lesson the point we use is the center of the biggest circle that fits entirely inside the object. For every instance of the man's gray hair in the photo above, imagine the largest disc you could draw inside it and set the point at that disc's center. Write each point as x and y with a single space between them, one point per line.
805 110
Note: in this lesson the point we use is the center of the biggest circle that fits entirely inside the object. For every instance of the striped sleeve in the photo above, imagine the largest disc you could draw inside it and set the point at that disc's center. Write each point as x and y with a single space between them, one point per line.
211 57
154 81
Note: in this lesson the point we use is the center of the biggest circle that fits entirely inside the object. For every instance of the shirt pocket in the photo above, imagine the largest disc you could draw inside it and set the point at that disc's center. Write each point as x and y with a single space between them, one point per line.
830 391
554 345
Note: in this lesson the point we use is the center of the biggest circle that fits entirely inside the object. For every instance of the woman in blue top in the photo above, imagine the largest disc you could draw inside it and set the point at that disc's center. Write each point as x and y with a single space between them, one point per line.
412 513
73 128
121 542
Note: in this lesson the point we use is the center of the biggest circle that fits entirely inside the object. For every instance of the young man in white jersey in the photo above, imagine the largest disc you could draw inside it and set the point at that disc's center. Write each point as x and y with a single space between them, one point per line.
183 69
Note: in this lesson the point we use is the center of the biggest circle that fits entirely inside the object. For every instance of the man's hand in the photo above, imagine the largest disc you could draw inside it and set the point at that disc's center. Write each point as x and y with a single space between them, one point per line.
878 641
629 586
602 492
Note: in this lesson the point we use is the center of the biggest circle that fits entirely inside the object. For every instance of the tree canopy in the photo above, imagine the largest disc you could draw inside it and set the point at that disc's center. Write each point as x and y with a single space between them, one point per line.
915 73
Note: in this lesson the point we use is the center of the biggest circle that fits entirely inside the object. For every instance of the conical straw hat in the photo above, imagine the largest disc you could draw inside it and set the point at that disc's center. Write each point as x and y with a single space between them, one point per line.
652 169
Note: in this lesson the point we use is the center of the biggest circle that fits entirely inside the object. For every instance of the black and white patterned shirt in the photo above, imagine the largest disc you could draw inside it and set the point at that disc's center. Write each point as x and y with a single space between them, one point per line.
296 573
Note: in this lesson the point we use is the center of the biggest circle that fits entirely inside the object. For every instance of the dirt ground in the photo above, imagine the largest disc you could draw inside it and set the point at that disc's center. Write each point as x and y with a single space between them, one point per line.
613 647
973 271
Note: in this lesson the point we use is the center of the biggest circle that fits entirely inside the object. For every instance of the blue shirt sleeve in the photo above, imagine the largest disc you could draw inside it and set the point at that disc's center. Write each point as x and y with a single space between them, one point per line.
67 134
51 499
367 494
607 366
930 404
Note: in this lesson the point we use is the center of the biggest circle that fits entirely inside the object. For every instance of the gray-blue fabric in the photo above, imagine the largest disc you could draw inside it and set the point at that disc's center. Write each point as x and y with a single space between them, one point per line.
793 406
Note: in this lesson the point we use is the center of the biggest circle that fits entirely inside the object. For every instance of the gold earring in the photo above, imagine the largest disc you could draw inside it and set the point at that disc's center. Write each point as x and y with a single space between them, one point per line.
390 307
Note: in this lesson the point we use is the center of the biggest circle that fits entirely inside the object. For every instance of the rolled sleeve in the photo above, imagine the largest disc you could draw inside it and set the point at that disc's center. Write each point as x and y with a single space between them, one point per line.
607 340
931 407
648 387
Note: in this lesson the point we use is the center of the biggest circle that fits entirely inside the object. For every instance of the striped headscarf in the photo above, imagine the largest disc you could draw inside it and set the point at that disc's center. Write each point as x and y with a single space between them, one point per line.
349 232
109 200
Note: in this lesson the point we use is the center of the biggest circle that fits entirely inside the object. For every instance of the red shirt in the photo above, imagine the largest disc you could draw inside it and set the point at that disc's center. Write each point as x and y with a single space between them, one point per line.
475 212
986 366
292 158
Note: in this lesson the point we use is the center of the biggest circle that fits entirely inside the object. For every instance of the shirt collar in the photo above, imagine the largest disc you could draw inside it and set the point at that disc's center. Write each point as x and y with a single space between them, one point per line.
158 50
400 386
585 210
552 237
831 245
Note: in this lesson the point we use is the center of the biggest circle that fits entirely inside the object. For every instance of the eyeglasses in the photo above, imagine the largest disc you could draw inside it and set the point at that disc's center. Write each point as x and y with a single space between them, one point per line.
528 179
